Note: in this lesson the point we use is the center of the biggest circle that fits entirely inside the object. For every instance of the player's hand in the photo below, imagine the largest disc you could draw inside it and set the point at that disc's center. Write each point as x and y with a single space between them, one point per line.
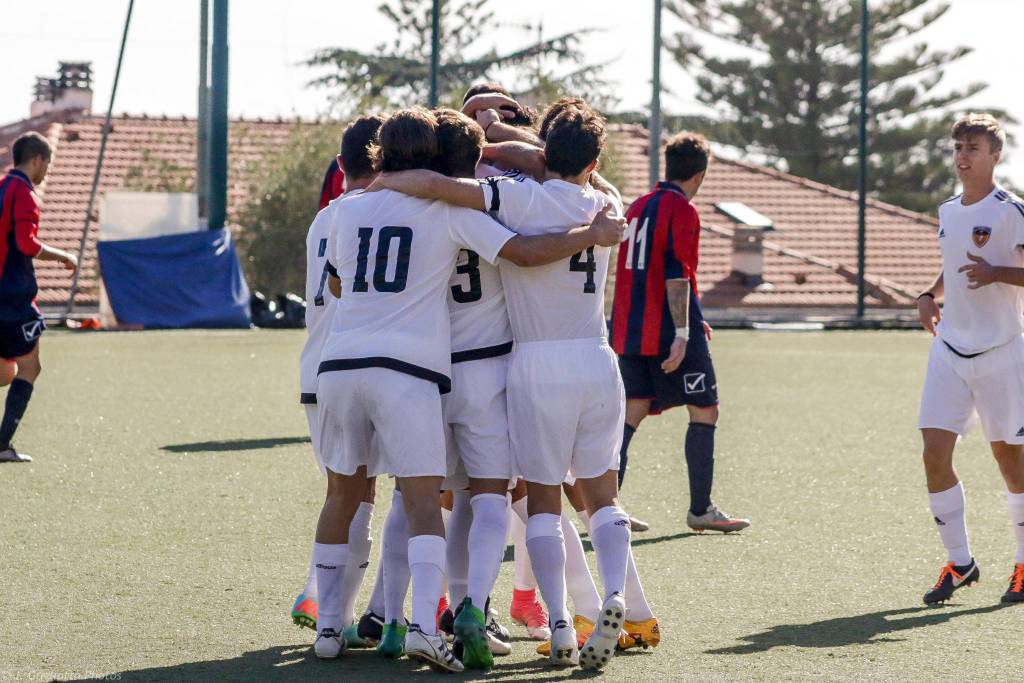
69 261
928 312
608 228
676 354
505 106
979 273
487 117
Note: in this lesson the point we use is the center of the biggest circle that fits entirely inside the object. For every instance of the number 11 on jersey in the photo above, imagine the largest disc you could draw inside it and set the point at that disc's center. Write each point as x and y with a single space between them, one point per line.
638 238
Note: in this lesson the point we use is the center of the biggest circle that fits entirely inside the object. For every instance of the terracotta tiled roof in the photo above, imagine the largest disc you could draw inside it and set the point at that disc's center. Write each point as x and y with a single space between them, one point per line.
810 259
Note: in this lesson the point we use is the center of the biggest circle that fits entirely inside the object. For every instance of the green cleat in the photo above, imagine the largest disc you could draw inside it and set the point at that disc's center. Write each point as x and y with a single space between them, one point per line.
392 640
471 630
352 637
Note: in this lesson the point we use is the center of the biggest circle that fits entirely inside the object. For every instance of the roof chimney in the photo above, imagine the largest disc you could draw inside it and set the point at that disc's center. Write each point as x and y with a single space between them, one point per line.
749 228
71 89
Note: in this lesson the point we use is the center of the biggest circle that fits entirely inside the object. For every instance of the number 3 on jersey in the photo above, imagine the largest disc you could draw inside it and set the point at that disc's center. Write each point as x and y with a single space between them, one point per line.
578 265
382 262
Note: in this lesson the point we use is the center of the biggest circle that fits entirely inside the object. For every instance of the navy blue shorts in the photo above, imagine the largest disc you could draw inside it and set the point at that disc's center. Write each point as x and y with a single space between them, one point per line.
692 383
19 335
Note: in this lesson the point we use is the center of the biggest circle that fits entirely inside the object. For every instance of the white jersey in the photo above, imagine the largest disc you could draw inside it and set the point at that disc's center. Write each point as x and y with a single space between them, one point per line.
476 301
561 300
976 320
395 255
319 302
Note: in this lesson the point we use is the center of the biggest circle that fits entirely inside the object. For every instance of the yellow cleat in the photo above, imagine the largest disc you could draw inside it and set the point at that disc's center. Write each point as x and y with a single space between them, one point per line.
643 634
584 627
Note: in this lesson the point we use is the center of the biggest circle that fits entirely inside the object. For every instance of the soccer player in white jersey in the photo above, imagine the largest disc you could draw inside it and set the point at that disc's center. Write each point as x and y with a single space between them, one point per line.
322 290
564 389
387 359
977 359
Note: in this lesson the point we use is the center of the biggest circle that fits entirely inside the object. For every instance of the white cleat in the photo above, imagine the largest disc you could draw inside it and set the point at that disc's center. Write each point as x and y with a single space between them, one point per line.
431 650
564 651
497 647
329 644
715 520
11 455
600 646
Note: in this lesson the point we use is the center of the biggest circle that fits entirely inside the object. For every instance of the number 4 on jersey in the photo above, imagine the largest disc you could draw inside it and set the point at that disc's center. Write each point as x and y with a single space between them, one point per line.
578 265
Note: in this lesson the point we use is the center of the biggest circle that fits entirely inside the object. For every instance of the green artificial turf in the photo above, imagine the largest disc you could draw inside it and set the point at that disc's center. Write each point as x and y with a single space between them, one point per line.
165 526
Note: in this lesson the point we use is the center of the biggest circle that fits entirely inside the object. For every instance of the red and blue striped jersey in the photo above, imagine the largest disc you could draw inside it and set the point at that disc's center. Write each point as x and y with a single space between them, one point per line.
661 244
19 227
333 185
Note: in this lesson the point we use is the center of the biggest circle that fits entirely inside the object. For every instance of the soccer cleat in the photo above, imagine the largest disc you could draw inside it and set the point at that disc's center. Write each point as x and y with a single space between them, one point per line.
329 644
352 639
447 622
431 650
11 455
495 629
442 607
715 520
392 641
527 611
643 634
951 578
1015 593
370 627
471 629
583 627
638 524
305 611
600 646
564 649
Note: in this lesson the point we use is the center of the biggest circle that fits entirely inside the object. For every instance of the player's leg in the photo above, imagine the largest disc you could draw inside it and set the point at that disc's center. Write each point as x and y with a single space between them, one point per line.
28 368
305 608
525 609
8 370
394 557
636 410
1011 464
359 545
457 535
639 392
947 405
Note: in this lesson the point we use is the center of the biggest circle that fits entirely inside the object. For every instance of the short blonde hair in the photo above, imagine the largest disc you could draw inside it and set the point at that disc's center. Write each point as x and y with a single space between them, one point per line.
981 124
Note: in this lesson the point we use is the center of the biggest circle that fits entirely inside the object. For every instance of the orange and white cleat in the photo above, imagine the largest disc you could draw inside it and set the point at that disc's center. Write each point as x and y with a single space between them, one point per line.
715 520
642 634
583 626
527 611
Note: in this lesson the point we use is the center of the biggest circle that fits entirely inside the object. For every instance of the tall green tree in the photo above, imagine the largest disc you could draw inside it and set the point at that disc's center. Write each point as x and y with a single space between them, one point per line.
789 89
397 73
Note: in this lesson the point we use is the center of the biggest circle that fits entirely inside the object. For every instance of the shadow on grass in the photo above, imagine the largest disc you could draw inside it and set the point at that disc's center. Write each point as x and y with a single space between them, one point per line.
842 631
298 663
234 445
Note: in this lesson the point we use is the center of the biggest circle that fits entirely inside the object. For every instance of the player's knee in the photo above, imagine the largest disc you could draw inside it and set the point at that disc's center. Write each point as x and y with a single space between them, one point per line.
28 369
704 415
8 370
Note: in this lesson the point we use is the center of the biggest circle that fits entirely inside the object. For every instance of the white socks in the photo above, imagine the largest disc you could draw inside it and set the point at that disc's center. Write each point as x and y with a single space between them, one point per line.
487 538
547 554
359 544
637 607
426 565
394 555
578 580
309 590
584 519
376 604
1015 502
330 560
522 575
609 532
457 532
948 509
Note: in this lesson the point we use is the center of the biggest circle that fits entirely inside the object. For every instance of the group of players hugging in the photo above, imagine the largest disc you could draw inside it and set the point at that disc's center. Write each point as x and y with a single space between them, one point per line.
457 342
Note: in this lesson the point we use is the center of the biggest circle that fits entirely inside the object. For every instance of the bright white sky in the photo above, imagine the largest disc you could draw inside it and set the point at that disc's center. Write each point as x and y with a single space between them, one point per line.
268 40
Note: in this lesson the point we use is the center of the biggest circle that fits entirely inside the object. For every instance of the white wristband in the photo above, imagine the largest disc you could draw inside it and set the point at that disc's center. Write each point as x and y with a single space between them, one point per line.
683 333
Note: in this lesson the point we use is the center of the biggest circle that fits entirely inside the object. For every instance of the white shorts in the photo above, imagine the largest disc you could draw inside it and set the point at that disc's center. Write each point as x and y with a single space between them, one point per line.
476 420
313 418
386 420
991 384
566 406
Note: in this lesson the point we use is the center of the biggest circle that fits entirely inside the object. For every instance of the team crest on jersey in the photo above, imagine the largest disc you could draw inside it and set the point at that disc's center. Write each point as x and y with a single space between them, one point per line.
980 235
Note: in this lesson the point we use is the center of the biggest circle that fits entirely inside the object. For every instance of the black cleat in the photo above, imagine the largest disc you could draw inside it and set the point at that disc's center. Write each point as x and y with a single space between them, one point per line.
1015 593
951 578
371 626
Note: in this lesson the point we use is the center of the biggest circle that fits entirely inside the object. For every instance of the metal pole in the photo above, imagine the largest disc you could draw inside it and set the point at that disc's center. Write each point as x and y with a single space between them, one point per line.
218 191
202 111
655 127
105 133
435 50
862 185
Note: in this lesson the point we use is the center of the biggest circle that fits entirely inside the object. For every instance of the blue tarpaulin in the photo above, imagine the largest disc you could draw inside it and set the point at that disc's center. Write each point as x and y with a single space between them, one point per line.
185 280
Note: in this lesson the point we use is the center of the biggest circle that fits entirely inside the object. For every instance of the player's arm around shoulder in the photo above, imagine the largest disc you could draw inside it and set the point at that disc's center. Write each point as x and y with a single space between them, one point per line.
427 184
606 230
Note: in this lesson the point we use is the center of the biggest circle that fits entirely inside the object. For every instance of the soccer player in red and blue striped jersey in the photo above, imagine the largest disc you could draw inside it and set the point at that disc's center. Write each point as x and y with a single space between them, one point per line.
656 306
334 182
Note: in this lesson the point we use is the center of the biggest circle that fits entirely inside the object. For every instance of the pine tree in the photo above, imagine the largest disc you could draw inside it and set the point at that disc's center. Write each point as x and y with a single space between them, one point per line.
791 91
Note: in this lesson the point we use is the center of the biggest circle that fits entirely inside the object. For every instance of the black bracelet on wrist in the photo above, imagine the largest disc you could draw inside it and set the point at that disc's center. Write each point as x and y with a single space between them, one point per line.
925 294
